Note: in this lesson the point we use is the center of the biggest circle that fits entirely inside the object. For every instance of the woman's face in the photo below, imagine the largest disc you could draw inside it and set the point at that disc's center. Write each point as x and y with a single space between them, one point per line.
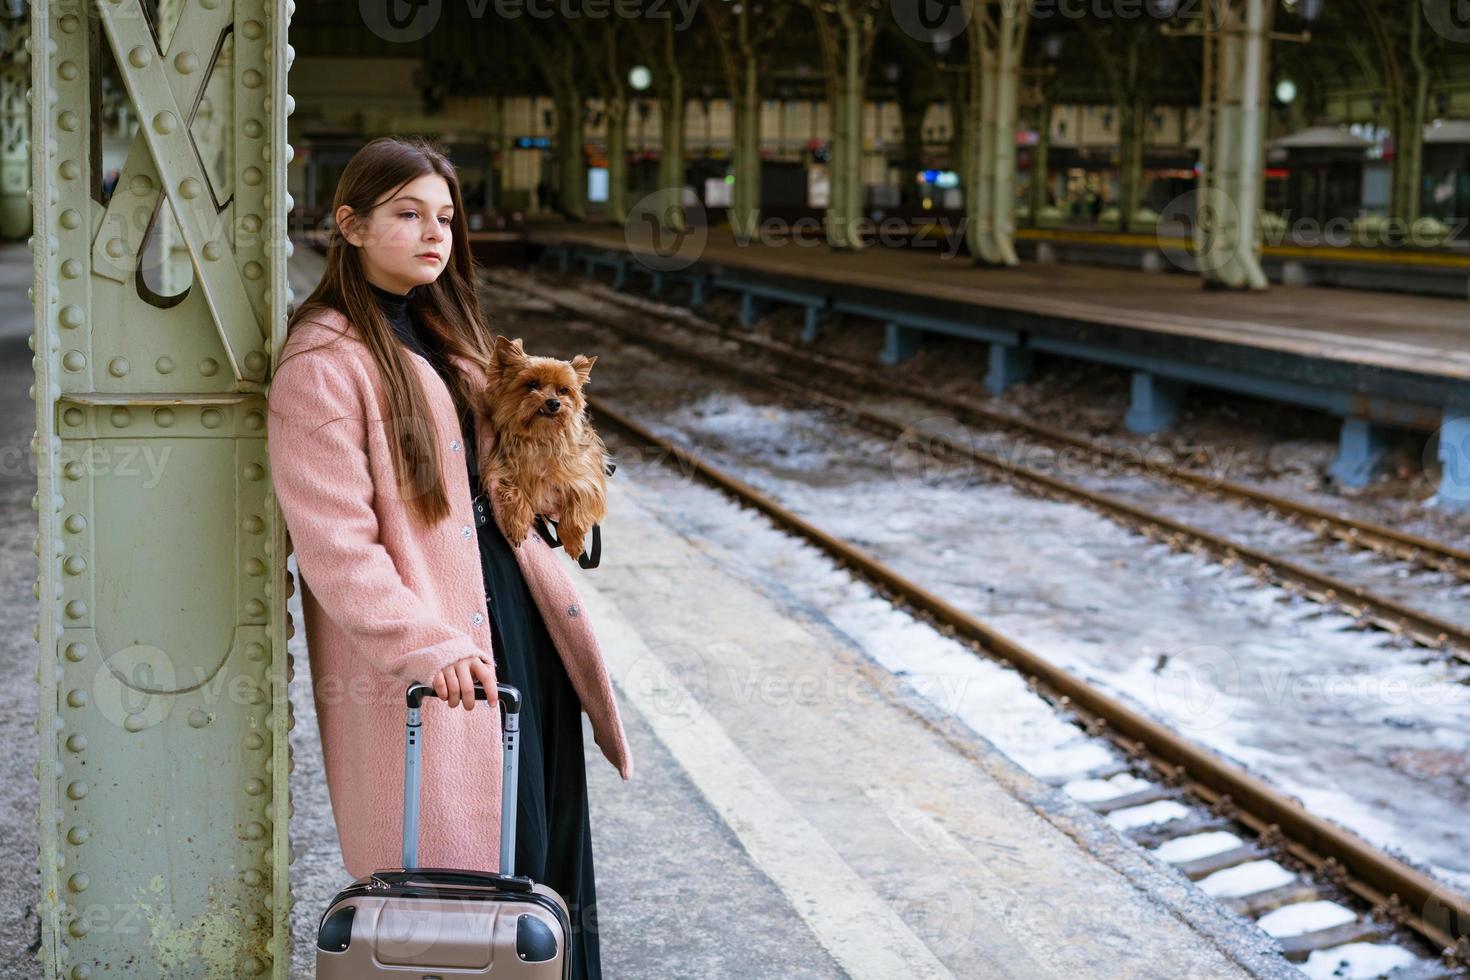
406 238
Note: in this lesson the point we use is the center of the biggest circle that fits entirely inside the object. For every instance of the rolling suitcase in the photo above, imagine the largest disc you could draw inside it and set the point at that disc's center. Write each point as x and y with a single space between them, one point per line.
436 923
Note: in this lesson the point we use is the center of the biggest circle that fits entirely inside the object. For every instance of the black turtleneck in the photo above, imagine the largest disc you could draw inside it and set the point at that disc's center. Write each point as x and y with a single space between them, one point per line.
409 331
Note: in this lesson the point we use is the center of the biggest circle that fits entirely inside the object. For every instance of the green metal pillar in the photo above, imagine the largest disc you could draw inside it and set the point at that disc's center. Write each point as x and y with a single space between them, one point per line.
163 709
1227 208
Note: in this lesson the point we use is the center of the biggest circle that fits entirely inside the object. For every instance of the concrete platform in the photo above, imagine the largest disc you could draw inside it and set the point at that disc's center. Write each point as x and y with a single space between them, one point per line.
854 833
1376 360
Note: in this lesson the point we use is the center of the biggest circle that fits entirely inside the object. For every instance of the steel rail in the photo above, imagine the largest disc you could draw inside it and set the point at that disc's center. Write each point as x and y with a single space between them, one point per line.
1434 911
1358 533
1423 628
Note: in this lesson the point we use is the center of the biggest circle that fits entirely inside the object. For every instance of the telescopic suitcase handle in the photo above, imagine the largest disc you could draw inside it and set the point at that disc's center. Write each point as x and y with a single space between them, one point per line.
510 701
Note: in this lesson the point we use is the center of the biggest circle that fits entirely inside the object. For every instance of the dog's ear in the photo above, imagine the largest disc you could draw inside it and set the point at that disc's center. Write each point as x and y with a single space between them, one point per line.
582 364
506 352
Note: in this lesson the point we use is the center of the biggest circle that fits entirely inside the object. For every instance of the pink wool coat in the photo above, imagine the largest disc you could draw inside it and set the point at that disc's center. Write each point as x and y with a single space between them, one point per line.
389 601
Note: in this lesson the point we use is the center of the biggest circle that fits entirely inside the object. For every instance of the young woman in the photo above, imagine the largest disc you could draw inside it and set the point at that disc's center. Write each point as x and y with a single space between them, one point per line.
406 575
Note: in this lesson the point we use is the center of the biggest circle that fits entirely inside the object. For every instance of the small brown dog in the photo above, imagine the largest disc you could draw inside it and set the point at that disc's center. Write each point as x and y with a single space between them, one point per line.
548 459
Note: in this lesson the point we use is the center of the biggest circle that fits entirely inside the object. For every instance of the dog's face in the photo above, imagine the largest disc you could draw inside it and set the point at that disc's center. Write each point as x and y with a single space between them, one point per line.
530 394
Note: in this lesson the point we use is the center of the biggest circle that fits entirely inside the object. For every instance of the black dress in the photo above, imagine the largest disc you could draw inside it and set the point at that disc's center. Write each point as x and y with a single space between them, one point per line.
553 829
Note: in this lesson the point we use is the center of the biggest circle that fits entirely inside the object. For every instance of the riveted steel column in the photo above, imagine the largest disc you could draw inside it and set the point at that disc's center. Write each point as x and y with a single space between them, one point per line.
163 714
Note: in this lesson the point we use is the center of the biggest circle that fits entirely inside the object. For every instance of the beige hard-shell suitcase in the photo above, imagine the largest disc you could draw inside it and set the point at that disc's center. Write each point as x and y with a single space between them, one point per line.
416 923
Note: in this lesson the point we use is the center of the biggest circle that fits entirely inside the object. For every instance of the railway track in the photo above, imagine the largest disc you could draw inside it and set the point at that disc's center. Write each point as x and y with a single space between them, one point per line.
1385 900
1399 619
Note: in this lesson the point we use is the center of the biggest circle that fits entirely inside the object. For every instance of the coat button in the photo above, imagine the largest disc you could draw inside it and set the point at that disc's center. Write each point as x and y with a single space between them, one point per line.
573 611
466 531
478 619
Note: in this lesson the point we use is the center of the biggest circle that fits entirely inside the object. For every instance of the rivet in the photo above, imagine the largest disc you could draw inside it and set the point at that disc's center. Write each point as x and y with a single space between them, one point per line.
135 722
255 651
252 30
210 418
164 365
118 367
255 362
75 565
72 316
255 609
76 523
68 121
254 740
141 184
78 882
255 567
251 222
254 472
73 470
71 269
254 786
73 360
78 928
74 416
198 719
187 63
69 23
76 742
253 270
165 122
71 218
252 176
254 524
212 251
67 70
189 188
76 697
251 78
116 248
76 609
139 57
78 835
254 421
69 170
253 830
253 129
81 972
76 789
120 417
208 367
76 652
252 876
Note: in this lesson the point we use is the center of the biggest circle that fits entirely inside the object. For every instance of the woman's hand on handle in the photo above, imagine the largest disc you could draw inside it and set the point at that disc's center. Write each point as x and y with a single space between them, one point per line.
456 682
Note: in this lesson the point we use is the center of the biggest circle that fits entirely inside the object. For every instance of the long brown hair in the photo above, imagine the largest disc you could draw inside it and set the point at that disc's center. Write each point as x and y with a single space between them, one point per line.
448 308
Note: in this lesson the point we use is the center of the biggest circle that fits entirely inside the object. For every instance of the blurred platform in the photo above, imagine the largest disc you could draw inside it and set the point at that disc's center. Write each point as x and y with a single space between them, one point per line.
1375 357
